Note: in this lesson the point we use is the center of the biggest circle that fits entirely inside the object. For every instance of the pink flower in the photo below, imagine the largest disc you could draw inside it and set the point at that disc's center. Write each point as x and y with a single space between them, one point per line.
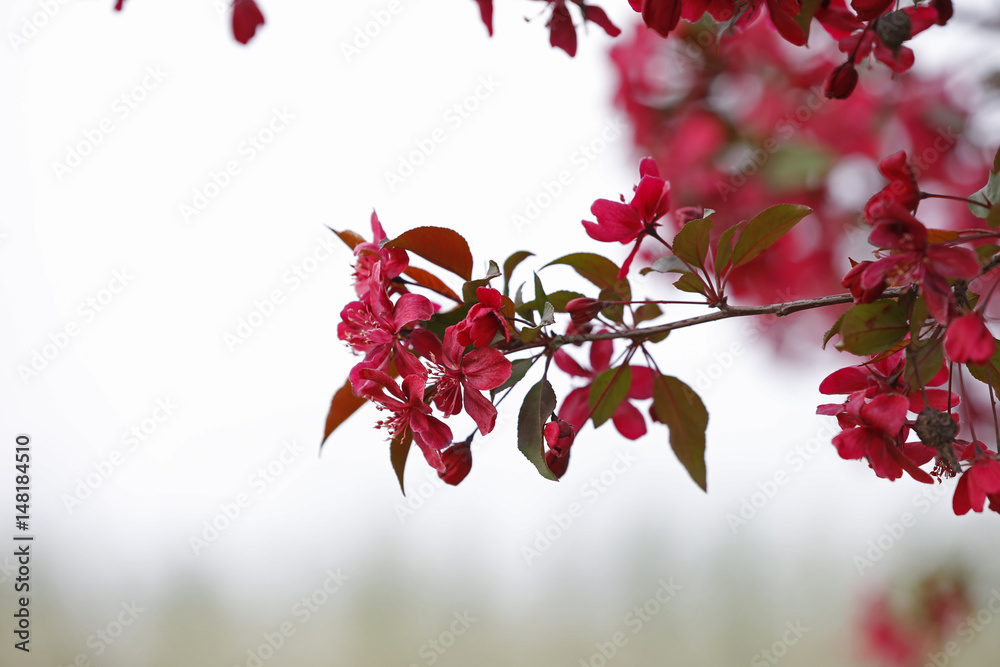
375 328
914 260
902 188
841 82
484 320
576 406
369 253
559 436
246 18
624 223
409 411
458 373
875 430
979 481
968 340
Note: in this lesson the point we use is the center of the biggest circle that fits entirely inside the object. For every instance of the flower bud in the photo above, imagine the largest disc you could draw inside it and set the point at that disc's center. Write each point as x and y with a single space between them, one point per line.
557 464
559 436
457 463
584 309
842 81
852 281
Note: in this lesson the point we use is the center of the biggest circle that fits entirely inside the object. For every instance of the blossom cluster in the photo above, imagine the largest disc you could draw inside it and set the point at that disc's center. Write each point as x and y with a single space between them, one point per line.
939 327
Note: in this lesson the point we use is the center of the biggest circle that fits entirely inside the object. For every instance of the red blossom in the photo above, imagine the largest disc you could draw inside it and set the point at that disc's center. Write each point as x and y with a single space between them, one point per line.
246 18
980 481
901 190
484 320
458 373
968 340
369 253
624 223
375 328
913 260
559 435
409 411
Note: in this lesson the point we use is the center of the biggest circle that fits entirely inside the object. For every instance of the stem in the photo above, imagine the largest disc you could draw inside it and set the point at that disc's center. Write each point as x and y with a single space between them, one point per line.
725 312
985 203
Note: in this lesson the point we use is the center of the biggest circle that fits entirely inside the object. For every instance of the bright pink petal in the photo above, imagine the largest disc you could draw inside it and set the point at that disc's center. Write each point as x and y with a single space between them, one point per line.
952 262
486 368
596 15
246 18
480 409
968 340
486 12
575 408
569 366
629 421
600 355
845 381
886 413
642 383
411 308
855 443
562 34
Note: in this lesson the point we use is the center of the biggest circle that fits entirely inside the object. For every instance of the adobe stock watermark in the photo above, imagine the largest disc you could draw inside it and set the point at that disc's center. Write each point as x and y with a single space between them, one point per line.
364 35
561 522
892 532
104 637
219 179
93 136
435 647
968 629
230 511
132 439
779 649
296 275
32 25
454 117
89 308
635 620
302 610
417 497
582 158
794 463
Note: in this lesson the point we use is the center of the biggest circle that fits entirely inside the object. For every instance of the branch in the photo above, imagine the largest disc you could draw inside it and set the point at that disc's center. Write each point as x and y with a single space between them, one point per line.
725 312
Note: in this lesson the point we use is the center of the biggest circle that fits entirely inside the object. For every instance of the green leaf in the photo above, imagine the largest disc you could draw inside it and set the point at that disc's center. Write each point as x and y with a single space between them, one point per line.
518 369
993 218
689 282
398 450
679 407
666 264
835 329
598 269
548 315
986 252
988 373
510 264
607 392
536 409
805 16
724 251
923 361
443 247
870 328
988 193
470 287
540 298
646 312
343 405
692 242
561 298
765 229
